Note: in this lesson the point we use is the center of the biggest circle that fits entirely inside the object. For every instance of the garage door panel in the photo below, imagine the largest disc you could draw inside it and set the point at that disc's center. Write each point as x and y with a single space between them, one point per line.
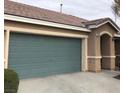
24 61
33 55
43 67
45 72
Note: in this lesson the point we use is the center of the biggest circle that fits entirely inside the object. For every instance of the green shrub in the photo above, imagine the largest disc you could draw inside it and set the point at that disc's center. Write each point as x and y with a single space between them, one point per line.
11 81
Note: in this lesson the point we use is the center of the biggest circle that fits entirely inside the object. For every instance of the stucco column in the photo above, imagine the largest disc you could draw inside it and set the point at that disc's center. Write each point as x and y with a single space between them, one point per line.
112 54
94 55
6 47
97 54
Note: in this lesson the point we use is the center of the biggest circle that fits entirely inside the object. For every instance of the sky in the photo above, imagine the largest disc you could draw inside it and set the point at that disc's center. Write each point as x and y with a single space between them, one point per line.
88 9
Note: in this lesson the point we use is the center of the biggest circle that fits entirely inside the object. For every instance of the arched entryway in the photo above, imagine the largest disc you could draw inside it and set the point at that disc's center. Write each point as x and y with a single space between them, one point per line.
105 43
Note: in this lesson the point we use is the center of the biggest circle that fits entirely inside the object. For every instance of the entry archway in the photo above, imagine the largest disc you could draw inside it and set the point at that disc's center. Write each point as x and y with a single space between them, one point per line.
105 43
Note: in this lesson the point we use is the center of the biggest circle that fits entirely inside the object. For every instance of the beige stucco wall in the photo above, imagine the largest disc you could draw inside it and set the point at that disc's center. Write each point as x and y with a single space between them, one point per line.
41 28
94 38
94 48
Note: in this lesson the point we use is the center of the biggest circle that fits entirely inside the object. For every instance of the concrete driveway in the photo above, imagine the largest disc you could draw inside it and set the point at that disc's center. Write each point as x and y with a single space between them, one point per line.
82 82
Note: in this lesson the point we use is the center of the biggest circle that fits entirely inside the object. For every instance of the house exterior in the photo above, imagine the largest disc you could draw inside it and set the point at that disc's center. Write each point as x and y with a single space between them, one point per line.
40 42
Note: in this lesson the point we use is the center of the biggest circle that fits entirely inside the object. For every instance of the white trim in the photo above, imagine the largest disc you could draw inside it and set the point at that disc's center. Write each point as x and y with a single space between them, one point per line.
92 26
116 35
94 57
45 23
109 56
101 56
84 66
105 23
40 32
5 63
86 50
34 31
7 32
105 32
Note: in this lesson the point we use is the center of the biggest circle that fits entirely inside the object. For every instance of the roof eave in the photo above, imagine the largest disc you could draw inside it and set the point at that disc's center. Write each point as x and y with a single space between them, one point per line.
44 23
116 35
96 26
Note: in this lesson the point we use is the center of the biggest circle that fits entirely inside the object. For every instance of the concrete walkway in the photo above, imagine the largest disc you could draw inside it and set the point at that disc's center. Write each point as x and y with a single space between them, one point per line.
82 82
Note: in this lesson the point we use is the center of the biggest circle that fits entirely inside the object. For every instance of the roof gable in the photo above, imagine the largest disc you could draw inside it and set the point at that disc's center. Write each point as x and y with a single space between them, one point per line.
99 22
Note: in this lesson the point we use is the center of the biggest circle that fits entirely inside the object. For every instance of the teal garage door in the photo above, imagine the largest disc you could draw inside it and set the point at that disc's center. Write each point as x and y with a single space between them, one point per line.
36 56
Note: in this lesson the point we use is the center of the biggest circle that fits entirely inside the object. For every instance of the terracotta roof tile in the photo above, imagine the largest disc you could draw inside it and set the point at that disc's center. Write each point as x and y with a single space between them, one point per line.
96 21
24 10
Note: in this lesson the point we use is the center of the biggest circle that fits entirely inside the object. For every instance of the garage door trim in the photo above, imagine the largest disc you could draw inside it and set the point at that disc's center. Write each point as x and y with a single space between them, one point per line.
83 45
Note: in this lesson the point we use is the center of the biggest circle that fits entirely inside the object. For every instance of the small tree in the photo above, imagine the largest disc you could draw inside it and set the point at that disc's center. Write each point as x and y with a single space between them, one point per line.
116 8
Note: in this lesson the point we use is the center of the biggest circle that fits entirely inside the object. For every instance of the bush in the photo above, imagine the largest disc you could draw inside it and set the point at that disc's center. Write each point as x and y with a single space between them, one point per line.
11 81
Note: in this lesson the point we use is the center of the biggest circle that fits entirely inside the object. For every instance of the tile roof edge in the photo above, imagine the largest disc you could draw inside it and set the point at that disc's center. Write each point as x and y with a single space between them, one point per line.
46 9
41 19
7 18
106 19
